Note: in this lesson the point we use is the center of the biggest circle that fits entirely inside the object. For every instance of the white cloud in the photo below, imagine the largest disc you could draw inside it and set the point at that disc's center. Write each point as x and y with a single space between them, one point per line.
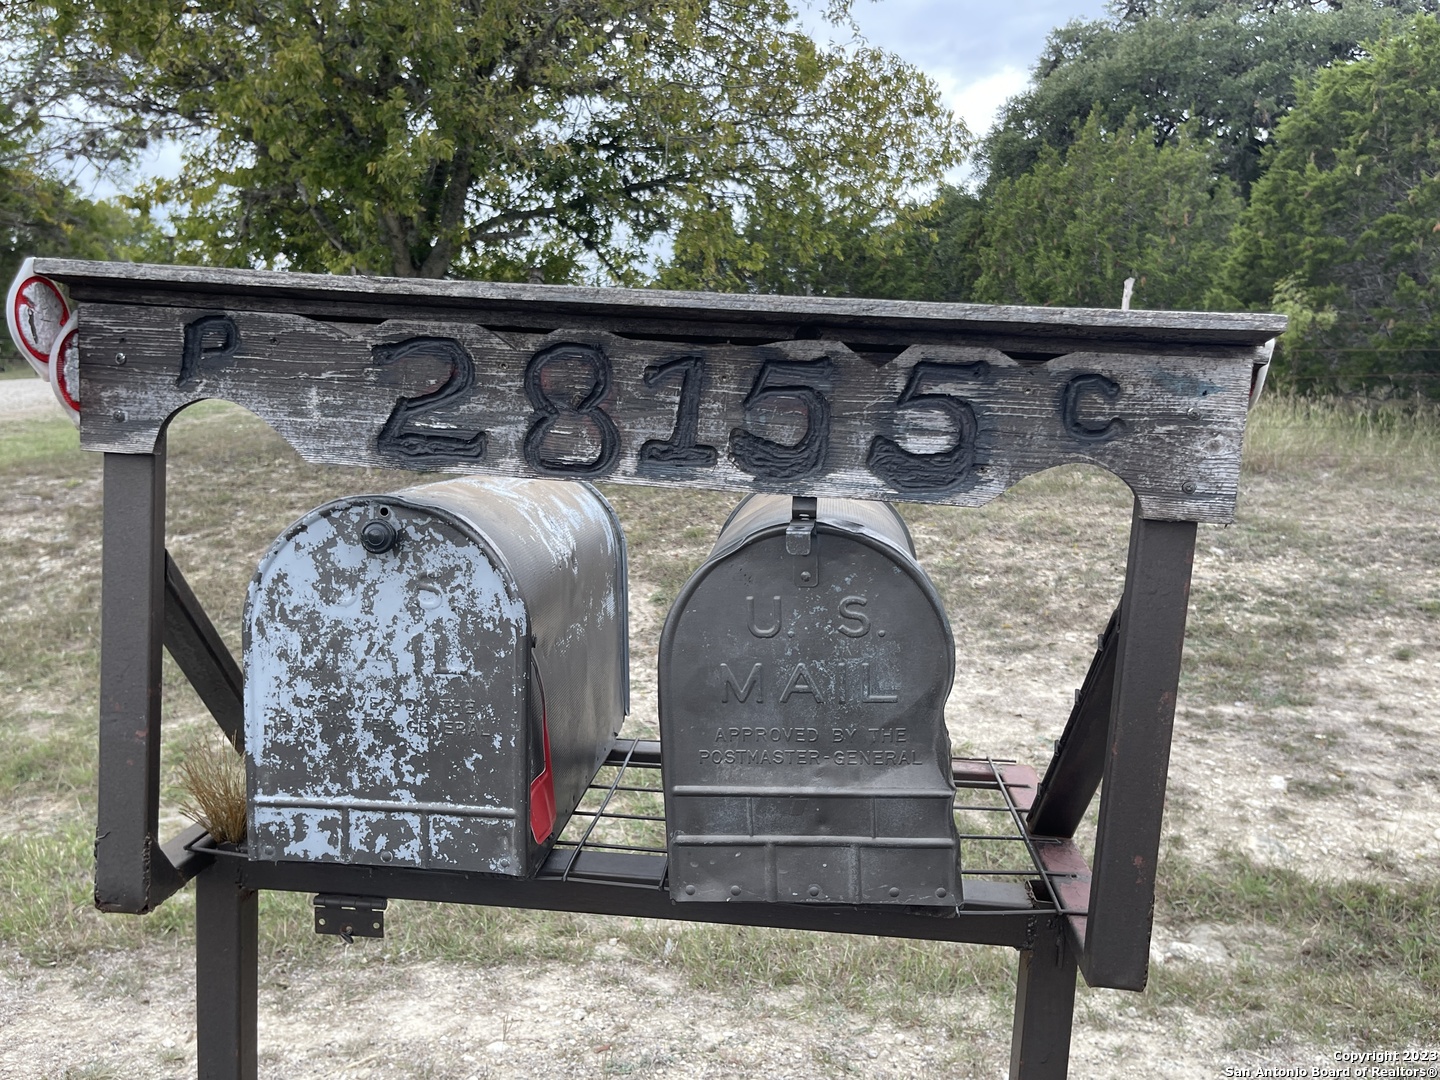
978 101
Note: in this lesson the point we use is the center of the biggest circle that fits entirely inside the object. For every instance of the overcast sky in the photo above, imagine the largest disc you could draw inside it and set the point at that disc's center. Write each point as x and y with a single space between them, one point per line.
979 51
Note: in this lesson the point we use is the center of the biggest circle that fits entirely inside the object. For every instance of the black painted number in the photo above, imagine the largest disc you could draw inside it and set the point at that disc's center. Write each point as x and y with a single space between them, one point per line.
780 385
680 450
400 435
565 417
907 471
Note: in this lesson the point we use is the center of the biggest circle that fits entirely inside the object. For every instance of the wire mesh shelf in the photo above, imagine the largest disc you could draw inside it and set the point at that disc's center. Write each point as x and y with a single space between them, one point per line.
623 813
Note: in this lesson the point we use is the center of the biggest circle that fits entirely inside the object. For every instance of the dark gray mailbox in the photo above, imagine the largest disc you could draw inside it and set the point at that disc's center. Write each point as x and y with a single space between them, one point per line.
433 676
803 677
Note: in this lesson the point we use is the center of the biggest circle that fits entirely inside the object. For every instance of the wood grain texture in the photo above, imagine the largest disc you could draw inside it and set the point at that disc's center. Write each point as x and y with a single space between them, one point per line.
658 312
955 424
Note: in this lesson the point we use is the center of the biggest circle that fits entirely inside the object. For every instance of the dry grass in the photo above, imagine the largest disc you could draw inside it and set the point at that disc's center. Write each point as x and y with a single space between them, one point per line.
1289 435
1332 560
213 776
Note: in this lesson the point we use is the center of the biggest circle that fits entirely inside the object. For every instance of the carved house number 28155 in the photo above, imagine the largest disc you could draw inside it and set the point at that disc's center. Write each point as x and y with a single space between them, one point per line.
801 387
798 390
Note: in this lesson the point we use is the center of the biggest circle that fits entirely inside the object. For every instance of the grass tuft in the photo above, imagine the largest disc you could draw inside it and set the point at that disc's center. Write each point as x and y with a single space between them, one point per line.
213 776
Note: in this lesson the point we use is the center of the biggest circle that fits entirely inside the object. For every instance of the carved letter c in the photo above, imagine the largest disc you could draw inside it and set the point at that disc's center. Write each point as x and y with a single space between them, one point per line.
1085 430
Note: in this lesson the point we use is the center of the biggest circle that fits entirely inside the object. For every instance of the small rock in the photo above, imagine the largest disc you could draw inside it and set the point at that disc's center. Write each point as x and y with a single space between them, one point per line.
872 1053
168 1044
496 1047
1278 783
1267 848
578 1015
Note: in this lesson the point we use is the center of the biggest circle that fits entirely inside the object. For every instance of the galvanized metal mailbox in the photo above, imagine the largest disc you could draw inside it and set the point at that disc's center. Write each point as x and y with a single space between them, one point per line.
803 677
434 676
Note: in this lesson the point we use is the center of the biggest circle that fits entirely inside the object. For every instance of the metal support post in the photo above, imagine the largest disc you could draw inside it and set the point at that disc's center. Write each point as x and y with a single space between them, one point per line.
1044 1008
1142 713
132 874
226 975
1074 774
194 643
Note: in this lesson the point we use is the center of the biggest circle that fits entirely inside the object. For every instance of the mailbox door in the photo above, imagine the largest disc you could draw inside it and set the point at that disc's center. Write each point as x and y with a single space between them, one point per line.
802 722
386 696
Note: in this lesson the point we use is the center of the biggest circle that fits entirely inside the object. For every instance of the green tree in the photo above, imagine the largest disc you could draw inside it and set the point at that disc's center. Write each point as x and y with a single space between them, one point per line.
1344 226
505 138
41 211
1223 70
923 251
1073 228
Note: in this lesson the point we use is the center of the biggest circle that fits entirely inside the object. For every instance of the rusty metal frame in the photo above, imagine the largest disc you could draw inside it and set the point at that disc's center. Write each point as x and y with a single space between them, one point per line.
1117 740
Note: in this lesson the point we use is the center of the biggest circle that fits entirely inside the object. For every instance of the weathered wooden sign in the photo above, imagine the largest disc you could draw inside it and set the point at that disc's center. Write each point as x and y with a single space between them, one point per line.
887 400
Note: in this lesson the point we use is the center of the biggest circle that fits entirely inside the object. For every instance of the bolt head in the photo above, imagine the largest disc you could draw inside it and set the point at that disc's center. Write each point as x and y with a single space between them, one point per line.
377 536
1188 487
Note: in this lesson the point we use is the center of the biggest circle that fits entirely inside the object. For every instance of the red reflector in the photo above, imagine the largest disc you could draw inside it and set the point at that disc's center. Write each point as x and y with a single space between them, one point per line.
542 792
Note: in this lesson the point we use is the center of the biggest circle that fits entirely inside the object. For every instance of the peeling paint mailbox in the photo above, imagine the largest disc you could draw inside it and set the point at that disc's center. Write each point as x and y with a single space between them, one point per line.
803 677
434 676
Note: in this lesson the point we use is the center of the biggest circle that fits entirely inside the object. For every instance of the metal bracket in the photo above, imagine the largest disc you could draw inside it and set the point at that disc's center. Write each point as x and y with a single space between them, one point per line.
800 541
350 917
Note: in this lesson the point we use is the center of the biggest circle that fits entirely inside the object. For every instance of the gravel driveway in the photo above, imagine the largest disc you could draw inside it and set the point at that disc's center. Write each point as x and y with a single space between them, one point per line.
26 397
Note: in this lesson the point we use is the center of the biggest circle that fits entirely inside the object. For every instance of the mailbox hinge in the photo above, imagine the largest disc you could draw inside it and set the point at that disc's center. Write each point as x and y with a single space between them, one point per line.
350 917
800 541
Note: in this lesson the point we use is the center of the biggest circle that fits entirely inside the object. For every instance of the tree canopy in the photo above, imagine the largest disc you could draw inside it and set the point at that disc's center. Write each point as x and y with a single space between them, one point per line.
922 251
1224 70
41 209
1343 228
511 138
1070 230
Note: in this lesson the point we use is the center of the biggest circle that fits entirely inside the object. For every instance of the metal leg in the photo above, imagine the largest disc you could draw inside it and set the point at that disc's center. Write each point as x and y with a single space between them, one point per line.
226 975
1079 762
195 644
131 872
1044 1009
1142 713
